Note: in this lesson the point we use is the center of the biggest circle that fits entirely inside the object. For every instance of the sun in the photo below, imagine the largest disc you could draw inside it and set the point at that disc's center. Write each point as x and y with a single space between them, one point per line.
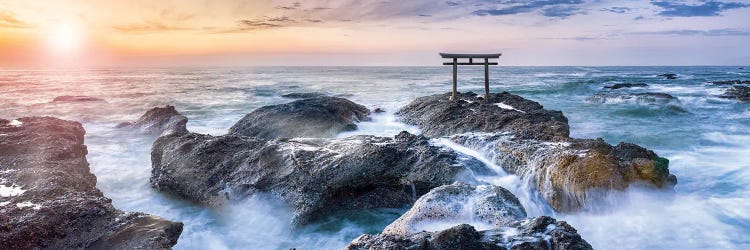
64 38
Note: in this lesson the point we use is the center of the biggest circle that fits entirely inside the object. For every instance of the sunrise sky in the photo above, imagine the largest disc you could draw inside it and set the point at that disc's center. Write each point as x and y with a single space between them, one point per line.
352 32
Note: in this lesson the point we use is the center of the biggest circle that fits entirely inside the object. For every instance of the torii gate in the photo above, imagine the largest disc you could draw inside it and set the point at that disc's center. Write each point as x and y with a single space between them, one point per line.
471 58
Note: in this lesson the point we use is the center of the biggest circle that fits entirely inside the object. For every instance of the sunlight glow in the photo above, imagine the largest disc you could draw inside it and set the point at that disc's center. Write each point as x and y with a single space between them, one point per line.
64 39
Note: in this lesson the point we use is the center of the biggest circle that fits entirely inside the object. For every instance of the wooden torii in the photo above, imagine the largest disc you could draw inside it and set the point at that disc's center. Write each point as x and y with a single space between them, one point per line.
471 58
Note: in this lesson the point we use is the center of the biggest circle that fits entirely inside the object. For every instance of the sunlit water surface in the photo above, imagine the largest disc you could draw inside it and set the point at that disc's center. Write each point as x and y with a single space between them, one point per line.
705 137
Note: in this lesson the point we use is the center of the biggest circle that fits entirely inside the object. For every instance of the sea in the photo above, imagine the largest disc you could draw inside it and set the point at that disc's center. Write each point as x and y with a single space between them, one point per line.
705 137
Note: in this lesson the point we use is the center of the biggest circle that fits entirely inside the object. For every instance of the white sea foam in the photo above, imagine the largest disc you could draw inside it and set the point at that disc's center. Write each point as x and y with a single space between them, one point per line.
15 123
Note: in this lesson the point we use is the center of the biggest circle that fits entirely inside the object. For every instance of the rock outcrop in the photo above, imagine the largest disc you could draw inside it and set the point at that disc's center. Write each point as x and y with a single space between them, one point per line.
487 205
315 176
77 98
525 139
669 76
303 95
317 117
634 98
157 121
438 116
441 218
626 85
739 93
49 199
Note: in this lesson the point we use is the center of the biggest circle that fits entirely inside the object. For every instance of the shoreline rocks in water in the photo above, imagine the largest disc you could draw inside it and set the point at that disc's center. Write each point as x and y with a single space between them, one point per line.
730 82
445 205
317 117
438 116
626 85
315 176
54 202
157 121
77 98
572 174
303 95
634 98
669 76
739 93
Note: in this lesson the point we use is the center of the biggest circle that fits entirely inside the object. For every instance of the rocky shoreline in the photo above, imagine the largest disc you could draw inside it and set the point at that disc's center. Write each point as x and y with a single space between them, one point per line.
49 198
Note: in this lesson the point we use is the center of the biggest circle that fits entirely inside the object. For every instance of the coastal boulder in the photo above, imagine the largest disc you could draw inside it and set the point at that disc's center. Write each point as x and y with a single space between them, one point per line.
538 233
730 82
488 205
669 76
739 93
438 116
157 121
319 117
49 199
315 176
303 95
575 174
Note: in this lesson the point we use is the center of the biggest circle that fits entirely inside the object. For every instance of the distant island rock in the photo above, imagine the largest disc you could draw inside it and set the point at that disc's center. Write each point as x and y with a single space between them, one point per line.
77 98
669 76
52 201
634 98
626 85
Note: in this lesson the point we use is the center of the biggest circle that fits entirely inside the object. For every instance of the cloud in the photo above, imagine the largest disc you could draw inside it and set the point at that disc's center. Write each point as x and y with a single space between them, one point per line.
706 8
691 32
293 6
548 8
148 27
9 20
618 10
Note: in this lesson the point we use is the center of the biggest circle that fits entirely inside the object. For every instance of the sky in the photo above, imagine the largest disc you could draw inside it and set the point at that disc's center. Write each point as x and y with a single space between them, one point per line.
119 33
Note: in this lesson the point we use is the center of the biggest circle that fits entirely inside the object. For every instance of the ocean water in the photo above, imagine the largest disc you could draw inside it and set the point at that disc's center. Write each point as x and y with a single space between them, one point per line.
706 139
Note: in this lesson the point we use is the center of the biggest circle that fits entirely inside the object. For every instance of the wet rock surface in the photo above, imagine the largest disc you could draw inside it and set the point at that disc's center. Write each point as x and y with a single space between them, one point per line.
634 98
669 76
157 121
459 203
626 85
438 116
77 98
303 95
578 173
49 198
315 176
739 93
317 117
538 233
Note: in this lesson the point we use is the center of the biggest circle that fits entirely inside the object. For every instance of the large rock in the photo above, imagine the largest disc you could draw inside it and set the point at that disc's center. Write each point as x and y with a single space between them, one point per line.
527 140
538 233
316 117
669 76
634 98
486 205
157 121
49 199
577 173
438 116
315 176
730 82
740 93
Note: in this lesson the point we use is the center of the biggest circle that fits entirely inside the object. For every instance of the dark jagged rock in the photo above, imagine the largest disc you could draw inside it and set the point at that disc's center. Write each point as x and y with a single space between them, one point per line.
438 116
157 121
740 93
378 110
626 85
488 205
634 98
77 98
303 95
578 173
316 176
669 76
572 174
318 117
730 82
538 233
52 200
